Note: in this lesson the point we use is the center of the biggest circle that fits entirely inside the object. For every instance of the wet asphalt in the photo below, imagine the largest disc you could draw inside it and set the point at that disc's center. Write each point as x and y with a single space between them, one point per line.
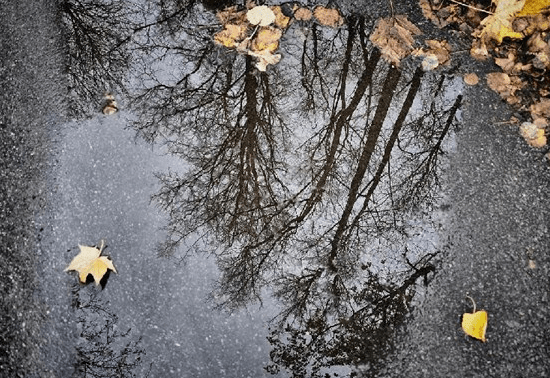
498 254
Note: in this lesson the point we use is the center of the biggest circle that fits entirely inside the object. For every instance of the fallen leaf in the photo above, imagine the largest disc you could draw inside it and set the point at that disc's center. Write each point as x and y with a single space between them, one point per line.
260 15
90 261
475 323
267 39
230 35
499 25
505 85
110 105
471 79
438 53
265 58
231 16
303 14
281 20
328 16
533 7
394 36
533 134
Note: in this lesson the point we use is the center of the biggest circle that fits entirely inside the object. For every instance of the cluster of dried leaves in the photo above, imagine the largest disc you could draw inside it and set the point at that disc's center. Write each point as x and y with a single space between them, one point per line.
515 33
256 30
395 38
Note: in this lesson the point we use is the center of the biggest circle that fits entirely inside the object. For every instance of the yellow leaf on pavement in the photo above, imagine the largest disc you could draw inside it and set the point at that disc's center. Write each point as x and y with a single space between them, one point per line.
499 25
475 324
90 261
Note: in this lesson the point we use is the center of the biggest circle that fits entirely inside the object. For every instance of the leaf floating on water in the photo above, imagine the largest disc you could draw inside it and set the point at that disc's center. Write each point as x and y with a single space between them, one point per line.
260 15
394 36
328 17
90 261
475 323
109 104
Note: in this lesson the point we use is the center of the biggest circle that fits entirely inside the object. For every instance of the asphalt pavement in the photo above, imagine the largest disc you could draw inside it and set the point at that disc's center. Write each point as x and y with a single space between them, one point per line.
499 254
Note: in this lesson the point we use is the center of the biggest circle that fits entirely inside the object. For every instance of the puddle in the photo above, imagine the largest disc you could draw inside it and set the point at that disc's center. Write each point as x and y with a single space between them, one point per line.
313 186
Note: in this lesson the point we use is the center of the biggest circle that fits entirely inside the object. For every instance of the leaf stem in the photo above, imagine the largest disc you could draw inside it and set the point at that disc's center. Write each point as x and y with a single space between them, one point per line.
473 302
471 7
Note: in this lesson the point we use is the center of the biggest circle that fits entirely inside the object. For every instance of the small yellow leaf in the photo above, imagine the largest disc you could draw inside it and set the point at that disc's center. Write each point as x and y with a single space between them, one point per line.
89 261
475 324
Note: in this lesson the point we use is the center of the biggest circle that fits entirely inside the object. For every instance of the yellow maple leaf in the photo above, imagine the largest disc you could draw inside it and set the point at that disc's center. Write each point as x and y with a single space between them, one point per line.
475 323
90 261
499 25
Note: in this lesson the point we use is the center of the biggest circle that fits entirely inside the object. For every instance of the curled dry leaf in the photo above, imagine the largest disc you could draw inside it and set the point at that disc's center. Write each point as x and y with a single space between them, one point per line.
261 15
505 85
394 36
471 79
541 109
438 53
231 16
328 17
265 58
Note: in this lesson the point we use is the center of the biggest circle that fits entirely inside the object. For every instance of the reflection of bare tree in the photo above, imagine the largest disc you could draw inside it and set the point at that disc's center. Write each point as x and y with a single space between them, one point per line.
96 33
299 179
103 351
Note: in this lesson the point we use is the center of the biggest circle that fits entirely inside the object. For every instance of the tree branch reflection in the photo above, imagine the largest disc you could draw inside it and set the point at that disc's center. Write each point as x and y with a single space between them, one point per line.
303 180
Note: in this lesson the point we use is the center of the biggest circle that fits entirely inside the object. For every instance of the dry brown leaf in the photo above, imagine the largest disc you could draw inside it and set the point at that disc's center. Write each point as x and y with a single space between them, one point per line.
265 58
541 109
471 79
328 16
438 53
505 85
479 50
394 36
230 15
303 14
